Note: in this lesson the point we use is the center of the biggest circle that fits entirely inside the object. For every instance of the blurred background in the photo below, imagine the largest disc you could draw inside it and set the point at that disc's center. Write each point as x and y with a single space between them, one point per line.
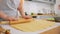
41 6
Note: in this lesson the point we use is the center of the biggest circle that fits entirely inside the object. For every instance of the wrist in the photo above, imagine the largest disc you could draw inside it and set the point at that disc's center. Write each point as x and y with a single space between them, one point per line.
23 15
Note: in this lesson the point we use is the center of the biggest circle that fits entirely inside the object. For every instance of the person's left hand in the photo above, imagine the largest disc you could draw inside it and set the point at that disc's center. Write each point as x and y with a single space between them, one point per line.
27 17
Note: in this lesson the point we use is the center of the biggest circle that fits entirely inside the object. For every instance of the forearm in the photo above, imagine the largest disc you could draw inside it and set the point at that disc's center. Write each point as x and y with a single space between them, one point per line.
21 11
20 8
5 17
2 15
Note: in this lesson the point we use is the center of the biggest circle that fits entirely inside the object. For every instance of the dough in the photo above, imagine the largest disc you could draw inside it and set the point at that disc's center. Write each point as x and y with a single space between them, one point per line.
33 26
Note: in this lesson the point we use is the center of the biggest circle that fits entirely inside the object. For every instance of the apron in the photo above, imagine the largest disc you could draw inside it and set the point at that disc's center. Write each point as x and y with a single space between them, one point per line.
9 7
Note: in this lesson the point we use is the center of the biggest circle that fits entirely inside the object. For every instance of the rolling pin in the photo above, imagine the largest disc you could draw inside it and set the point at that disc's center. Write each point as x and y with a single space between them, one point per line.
16 22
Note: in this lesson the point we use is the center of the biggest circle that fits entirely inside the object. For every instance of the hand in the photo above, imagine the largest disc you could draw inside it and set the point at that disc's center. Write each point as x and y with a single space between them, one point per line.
27 17
10 19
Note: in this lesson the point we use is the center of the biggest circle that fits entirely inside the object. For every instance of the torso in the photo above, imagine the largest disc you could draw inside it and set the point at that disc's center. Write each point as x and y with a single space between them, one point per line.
9 7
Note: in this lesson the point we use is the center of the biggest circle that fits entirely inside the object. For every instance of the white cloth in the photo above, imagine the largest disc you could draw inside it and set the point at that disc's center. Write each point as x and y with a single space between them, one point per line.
9 7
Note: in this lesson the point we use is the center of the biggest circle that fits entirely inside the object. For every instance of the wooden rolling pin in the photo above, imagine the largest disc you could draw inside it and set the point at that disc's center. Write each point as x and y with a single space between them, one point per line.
4 22
16 22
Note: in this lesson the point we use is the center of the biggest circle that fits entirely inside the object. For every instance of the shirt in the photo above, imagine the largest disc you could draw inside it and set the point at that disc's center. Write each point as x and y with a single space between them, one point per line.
9 7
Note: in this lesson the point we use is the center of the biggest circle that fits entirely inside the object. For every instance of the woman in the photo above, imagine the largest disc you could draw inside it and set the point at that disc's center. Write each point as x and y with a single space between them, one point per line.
9 9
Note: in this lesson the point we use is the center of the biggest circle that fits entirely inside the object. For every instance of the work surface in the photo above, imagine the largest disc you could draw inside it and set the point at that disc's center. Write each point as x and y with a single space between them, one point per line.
15 31
34 25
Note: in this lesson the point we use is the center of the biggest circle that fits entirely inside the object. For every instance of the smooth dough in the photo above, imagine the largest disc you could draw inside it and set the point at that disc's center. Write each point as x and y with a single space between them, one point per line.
33 26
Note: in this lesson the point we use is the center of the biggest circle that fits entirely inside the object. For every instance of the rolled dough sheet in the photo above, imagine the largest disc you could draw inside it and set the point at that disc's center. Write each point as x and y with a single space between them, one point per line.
33 26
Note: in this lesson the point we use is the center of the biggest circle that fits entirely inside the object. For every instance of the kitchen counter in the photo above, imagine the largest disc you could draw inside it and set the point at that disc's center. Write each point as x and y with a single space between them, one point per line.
15 31
44 15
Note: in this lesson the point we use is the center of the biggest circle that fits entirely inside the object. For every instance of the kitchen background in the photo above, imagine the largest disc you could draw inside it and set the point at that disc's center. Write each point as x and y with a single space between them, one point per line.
42 6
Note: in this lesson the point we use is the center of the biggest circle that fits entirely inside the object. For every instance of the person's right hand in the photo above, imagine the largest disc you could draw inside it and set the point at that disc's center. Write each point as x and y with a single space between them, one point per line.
10 19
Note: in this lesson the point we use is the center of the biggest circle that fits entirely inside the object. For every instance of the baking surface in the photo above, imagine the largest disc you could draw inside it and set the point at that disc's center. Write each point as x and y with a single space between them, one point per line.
15 31
33 26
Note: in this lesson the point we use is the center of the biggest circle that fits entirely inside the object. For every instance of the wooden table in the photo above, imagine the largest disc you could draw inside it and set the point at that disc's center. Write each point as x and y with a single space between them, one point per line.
53 31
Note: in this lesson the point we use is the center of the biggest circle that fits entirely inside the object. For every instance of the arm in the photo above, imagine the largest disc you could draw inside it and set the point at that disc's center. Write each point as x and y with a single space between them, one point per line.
2 15
5 17
20 8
